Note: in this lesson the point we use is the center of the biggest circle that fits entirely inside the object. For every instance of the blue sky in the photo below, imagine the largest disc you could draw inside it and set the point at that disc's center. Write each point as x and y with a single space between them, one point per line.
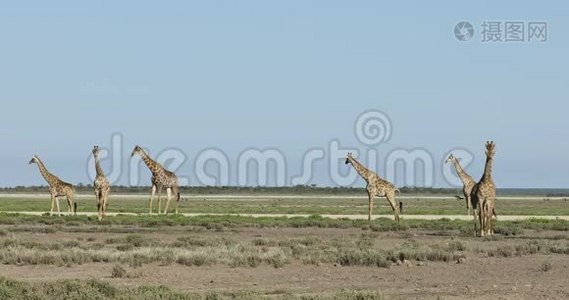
289 75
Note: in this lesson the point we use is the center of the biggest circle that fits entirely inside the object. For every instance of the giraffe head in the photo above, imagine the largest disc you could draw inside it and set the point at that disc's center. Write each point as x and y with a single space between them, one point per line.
490 148
348 158
95 150
34 160
136 150
449 159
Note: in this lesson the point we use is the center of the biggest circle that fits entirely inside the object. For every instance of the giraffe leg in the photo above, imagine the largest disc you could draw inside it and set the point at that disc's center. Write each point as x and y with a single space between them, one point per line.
52 203
467 199
103 205
370 208
177 201
485 227
370 205
159 200
490 209
98 198
105 201
102 200
495 218
489 225
151 198
482 217
69 204
73 204
486 221
57 204
391 199
475 214
169 195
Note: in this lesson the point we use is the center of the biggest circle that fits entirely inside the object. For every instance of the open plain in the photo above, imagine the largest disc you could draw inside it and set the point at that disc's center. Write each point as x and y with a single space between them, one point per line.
283 247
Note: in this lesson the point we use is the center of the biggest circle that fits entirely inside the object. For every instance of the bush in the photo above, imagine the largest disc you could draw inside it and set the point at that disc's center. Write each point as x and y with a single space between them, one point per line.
546 266
253 260
136 240
456 246
125 247
360 295
508 230
368 257
136 260
502 251
84 289
195 260
118 272
278 261
263 242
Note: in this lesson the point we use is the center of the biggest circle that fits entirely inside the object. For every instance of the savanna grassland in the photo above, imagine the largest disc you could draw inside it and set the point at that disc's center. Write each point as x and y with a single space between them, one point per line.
223 256
293 204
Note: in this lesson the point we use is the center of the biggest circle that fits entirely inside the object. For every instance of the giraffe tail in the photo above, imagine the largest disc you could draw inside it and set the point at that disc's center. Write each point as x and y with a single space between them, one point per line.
75 207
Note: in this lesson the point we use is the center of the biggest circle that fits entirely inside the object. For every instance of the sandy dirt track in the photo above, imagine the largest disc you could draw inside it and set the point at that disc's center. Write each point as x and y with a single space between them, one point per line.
350 217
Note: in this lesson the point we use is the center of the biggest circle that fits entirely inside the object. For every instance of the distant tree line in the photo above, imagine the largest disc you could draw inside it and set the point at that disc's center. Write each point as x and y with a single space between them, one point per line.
557 195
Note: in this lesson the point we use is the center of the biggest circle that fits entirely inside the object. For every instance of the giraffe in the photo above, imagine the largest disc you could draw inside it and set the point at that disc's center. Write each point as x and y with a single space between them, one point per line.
57 187
101 186
376 186
161 178
467 181
485 193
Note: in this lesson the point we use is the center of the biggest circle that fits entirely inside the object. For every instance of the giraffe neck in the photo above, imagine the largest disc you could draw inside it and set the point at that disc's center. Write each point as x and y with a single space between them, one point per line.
50 178
363 171
464 177
488 168
98 166
150 163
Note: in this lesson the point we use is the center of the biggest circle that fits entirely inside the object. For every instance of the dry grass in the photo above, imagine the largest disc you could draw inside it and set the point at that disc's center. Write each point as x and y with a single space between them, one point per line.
530 247
95 289
136 250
